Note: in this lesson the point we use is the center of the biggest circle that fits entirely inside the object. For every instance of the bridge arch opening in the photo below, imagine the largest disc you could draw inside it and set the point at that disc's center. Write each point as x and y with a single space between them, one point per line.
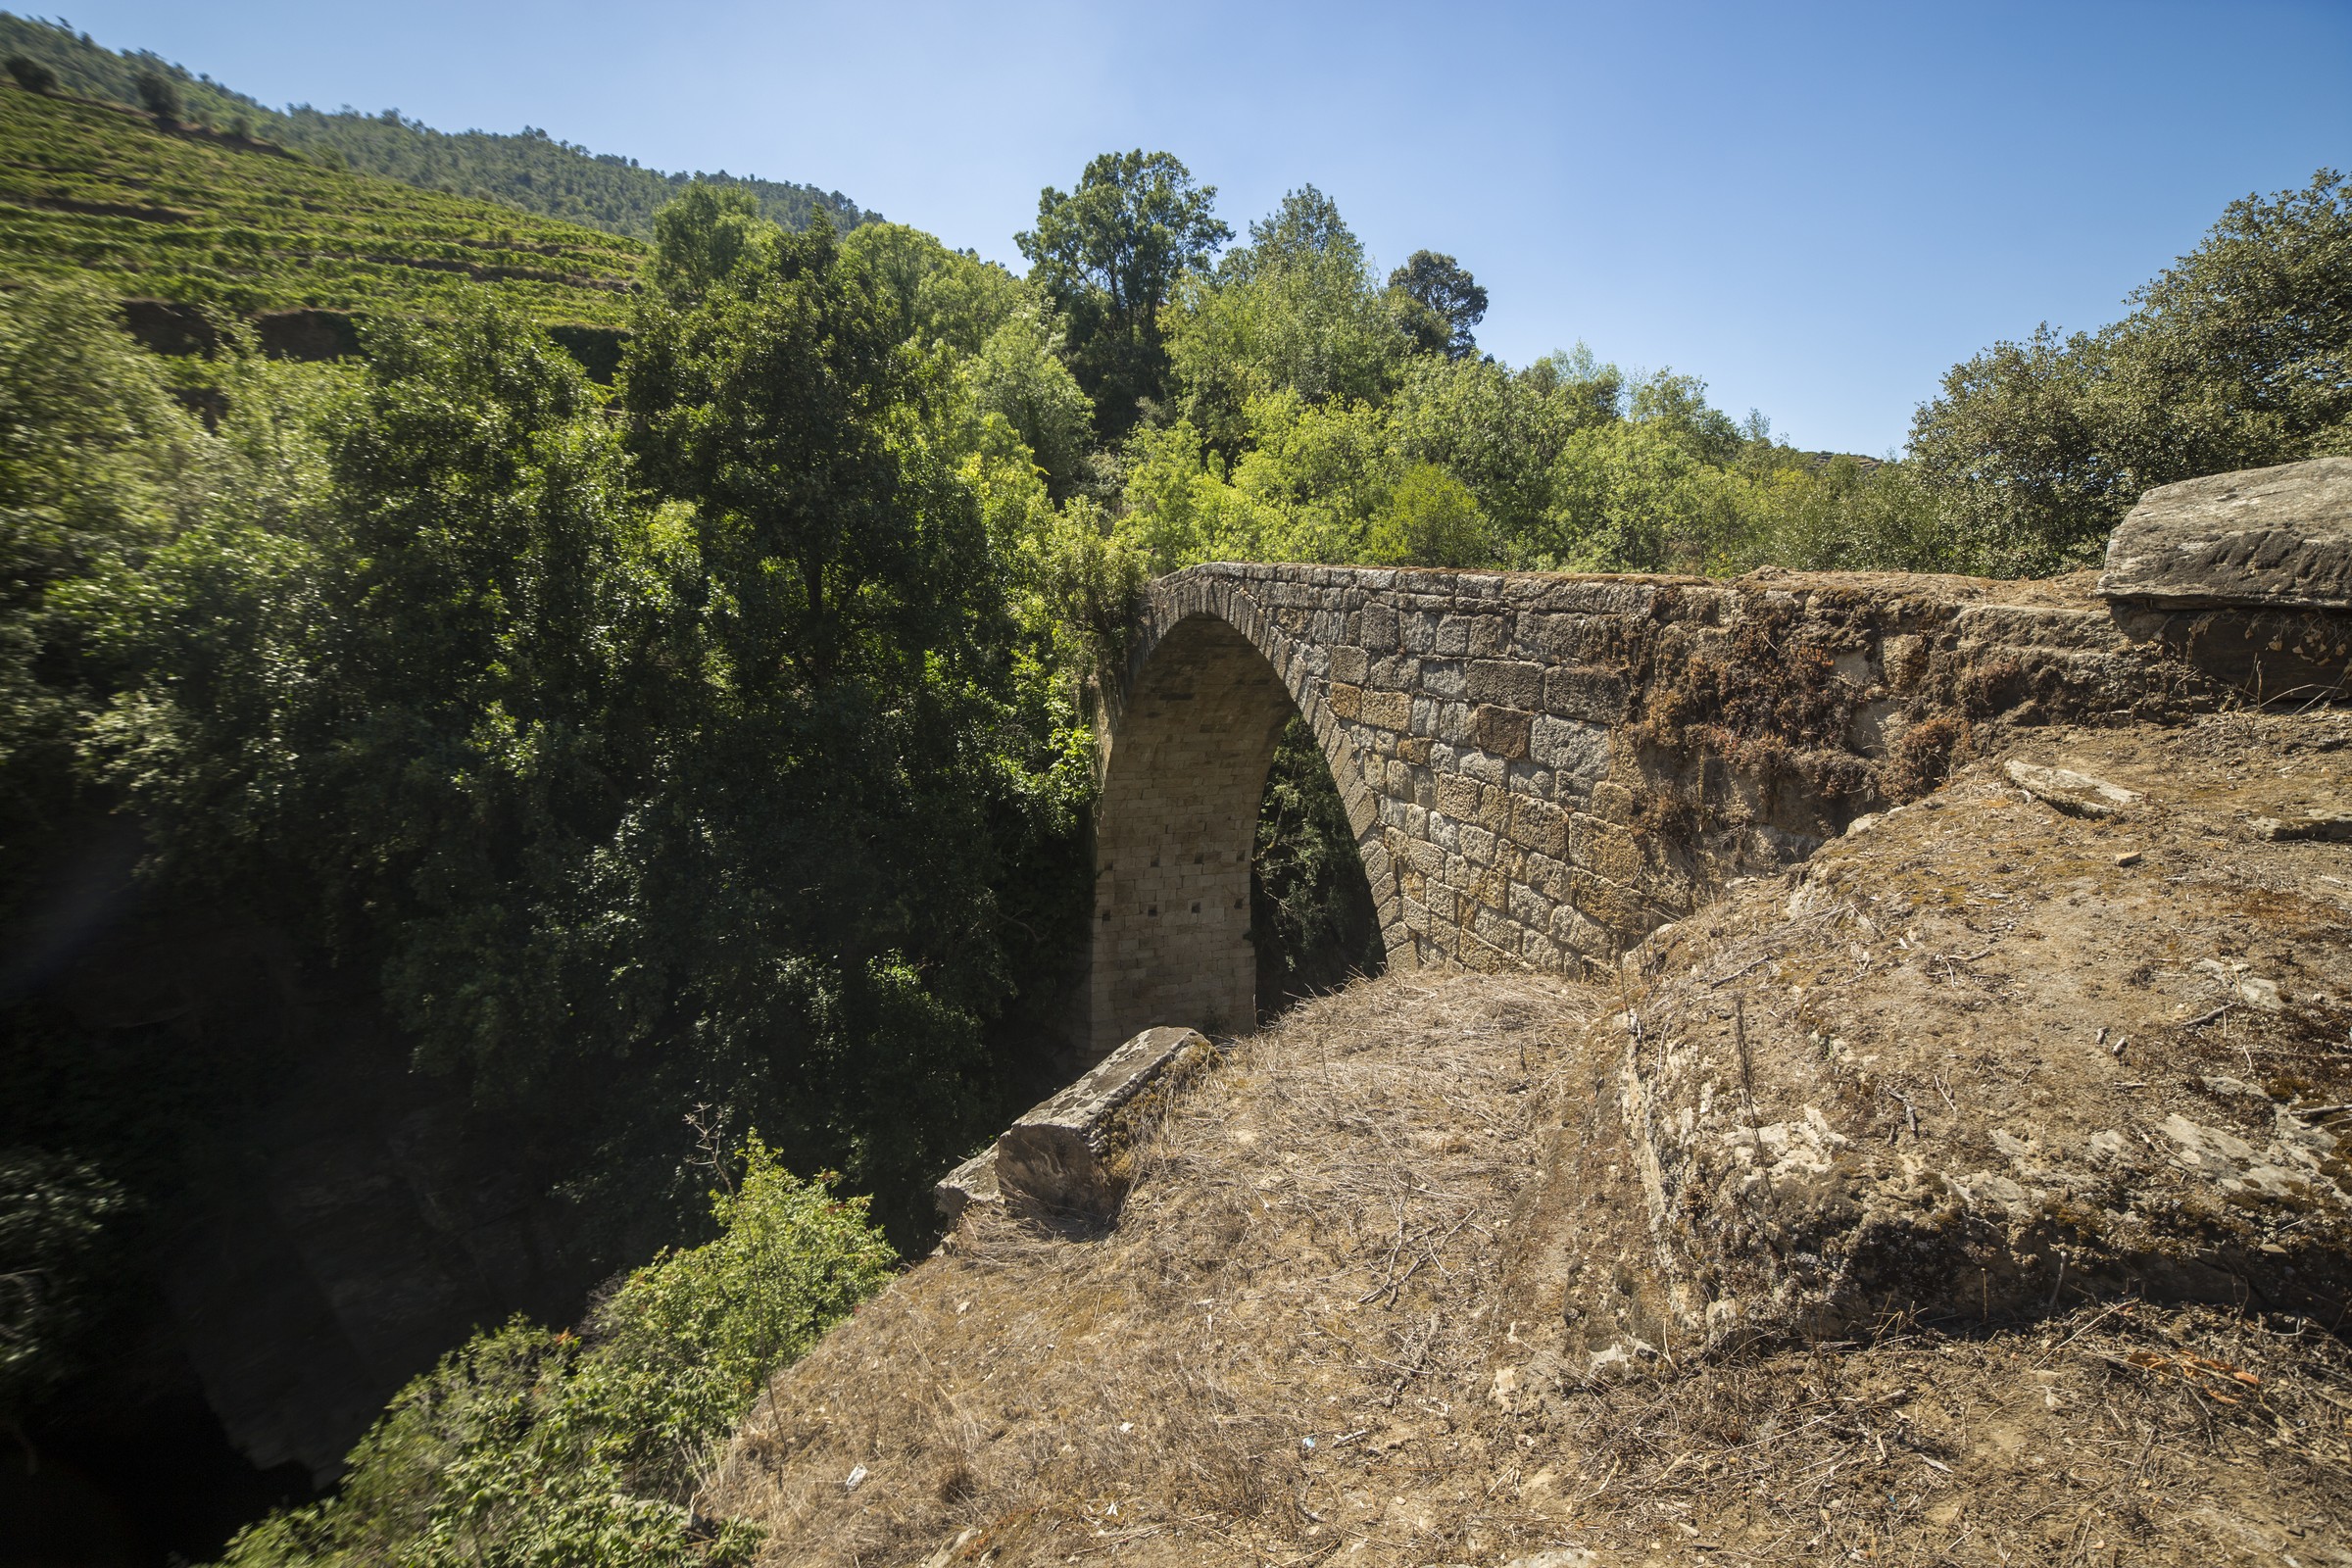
1184 769
1312 918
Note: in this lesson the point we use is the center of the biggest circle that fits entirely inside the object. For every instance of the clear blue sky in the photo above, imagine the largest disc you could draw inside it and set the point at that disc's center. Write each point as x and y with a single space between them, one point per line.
1817 207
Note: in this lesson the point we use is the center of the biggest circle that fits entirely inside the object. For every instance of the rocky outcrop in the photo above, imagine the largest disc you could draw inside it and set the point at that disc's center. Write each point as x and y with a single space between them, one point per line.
2276 538
1992 1054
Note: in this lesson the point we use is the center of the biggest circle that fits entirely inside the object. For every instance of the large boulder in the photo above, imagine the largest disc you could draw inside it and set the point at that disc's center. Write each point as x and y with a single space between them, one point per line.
2265 537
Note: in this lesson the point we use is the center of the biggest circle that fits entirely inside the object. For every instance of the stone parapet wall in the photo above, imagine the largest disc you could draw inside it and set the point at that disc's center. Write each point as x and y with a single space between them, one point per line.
1542 769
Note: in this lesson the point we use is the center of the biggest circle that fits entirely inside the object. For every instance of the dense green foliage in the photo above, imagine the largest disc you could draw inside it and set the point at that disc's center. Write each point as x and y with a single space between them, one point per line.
1318 414
700 745
526 170
103 195
100 472
2237 356
1107 255
59 1219
1453 299
1312 917
30 74
531 1447
94 462
699 741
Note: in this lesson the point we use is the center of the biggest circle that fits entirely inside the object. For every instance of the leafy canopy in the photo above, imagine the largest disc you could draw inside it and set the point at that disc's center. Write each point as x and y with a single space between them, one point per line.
2237 356
1452 300
527 1447
1107 255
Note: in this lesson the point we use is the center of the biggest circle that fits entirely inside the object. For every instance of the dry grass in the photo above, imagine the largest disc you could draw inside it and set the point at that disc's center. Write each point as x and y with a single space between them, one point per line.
1287 1353
1294 1302
1347 1316
2112 1435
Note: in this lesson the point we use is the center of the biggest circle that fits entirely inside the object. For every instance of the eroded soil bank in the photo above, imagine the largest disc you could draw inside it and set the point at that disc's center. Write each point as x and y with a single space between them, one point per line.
1840 1222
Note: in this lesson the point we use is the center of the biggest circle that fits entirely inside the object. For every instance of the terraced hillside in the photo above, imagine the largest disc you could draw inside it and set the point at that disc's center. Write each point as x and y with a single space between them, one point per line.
528 169
93 191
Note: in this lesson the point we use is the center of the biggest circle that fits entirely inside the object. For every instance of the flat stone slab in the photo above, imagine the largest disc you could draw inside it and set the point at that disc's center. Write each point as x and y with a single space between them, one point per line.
2325 827
1069 1155
2075 793
2275 537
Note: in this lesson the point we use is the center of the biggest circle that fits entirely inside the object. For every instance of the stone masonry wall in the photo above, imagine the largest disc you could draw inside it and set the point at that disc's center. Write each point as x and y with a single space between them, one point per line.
1540 771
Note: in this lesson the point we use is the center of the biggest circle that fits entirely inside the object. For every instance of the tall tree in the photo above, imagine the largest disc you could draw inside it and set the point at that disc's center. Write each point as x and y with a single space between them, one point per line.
704 237
1451 302
1107 255
770 404
1297 309
158 94
2237 356
826 847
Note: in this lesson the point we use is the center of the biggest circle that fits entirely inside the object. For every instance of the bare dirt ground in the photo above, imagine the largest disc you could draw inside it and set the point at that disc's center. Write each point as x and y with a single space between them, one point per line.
1837 1229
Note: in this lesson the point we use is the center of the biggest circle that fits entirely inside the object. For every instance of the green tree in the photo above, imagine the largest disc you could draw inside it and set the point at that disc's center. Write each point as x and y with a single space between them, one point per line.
1635 495
2016 449
57 1218
2240 355
1502 433
159 95
1679 406
1107 256
786 407
398 717
1298 310
939 295
30 74
1311 915
1019 375
701 240
1451 302
525 1447
98 466
832 846
1853 517
1430 519
723 757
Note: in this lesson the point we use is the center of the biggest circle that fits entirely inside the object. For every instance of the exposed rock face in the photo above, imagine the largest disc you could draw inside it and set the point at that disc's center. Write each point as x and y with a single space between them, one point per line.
1989 1057
2272 538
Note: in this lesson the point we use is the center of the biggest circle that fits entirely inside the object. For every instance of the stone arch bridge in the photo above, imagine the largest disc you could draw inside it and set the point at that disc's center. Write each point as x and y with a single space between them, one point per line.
1540 771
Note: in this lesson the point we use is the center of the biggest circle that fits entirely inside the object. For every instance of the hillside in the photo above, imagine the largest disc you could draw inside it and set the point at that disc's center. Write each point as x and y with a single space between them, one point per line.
98 193
528 169
1882 1212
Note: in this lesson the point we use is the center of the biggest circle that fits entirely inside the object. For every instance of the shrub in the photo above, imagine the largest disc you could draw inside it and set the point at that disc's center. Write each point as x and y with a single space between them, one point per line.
158 94
533 1446
55 1219
30 74
1430 520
